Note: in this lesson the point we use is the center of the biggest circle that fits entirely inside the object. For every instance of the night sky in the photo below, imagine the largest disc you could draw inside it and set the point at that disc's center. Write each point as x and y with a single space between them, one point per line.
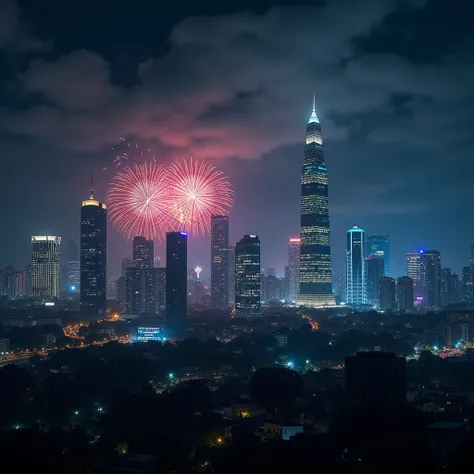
232 82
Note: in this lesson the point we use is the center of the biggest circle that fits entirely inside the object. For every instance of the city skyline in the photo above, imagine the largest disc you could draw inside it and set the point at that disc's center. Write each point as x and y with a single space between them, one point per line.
375 106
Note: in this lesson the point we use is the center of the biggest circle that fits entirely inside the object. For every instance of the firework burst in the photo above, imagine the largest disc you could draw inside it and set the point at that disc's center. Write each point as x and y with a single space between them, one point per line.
126 153
139 201
199 191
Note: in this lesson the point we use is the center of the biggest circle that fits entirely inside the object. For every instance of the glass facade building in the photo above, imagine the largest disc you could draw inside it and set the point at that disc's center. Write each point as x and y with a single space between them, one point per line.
247 275
45 266
315 289
356 270
220 261
143 252
293 269
378 246
93 284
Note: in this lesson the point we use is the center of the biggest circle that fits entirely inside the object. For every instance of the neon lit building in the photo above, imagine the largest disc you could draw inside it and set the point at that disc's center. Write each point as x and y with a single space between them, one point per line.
315 250
93 256
45 266
356 271
293 268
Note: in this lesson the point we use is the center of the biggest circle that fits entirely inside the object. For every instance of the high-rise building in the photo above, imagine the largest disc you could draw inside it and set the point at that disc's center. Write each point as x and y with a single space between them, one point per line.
431 279
272 287
387 294
219 261
356 272
12 283
405 296
143 252
445 286
45 262
247 276
93 256
315 251
375 379
378 246
127 262
231 274
122 290
294 245
176 276
414 272
135 297
468 284
161 290
375 271
157 261
28 281
150 290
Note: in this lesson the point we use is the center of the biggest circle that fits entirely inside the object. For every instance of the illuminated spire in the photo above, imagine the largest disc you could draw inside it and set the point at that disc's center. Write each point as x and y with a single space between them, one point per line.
92 187
314 117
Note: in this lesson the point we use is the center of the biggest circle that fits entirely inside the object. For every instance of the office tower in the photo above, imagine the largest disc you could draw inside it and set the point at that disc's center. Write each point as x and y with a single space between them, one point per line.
231 274
93 256
375 271
414 272
7 282
431 279
294 245
127 262
378 246
122 289
161 289
356 273
445 286
247 276
387 294
375 379
405 296
455 290
45 266
12 283
28 281
135 297
176 295
19 284
73 276
150 289
157 261
143 252
271 289
467 284
339 285
219 261
111 292
315 251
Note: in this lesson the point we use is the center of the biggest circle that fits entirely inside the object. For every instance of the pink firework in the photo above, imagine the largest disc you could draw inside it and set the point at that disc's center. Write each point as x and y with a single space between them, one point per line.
139 201
199 192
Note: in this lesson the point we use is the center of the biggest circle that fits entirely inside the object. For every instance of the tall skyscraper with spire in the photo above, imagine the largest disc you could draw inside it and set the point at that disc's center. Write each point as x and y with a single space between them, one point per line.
315 250
93 255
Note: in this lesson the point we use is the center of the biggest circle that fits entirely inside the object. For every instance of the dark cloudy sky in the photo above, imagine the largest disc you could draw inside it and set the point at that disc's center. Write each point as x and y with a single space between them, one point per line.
232 82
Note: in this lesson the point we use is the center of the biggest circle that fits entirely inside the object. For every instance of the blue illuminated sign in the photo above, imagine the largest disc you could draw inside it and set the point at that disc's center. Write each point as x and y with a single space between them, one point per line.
145 334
